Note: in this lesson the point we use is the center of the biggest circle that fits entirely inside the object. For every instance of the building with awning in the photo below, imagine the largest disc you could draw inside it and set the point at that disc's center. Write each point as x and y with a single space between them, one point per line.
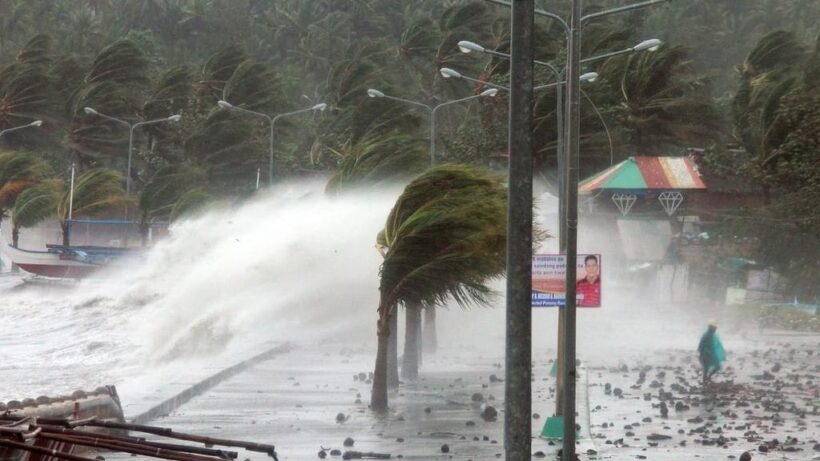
667 178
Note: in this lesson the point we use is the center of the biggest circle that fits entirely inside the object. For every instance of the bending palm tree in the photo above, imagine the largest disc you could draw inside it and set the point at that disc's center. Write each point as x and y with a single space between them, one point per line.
34 205
445 238
18 171
95 190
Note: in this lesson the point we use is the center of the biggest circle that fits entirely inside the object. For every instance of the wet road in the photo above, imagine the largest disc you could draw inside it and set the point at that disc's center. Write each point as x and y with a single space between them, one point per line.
767 397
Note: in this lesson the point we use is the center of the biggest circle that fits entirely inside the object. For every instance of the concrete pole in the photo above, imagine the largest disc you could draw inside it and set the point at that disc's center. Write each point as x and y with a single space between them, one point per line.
518 386
571 168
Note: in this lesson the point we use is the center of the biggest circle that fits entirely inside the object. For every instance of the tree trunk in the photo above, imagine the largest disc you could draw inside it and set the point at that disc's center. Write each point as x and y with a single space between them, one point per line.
393 351
144 229
430 341
66 231
15 236
410 362
378 395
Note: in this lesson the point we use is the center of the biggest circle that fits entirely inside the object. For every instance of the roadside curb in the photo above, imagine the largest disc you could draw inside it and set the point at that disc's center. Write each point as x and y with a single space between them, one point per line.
203 386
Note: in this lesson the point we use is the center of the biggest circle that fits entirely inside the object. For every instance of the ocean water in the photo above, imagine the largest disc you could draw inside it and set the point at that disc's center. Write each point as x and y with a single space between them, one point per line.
290 265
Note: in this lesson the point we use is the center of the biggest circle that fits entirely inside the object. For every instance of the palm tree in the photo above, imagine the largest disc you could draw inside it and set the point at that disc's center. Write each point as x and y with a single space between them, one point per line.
164 190
218 69
190 202
18 172
95 190
379 159
772 69
445 238
115 86
26 94
224 146
34 205
665 105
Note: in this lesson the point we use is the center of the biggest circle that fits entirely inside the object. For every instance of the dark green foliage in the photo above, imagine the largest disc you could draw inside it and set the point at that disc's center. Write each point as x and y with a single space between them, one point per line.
166 187
777 119
189 202
379 159
36 204
95 190
37 52
255 86
121 62
219 68
445 237
225 147
18 172
26 95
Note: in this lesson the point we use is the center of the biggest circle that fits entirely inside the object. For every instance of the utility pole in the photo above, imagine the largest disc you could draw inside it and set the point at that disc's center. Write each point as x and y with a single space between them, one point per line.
518 385
571 192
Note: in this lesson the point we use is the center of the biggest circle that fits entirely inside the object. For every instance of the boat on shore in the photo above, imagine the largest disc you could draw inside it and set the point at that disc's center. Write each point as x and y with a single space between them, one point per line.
66 261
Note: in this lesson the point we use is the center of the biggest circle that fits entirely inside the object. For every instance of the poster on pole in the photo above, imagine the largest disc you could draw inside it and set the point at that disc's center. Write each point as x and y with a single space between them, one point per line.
549 272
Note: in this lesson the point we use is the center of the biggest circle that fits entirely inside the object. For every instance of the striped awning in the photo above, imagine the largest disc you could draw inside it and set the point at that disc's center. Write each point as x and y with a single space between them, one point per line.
641 174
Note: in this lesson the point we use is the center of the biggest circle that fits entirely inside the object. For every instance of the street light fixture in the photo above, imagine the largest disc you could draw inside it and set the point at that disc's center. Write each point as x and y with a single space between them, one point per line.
446 72
653 44
131 128
373 93
467 46
35 123
272 123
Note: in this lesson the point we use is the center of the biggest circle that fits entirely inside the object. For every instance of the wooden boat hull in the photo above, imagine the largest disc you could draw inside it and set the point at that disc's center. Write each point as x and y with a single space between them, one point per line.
49 263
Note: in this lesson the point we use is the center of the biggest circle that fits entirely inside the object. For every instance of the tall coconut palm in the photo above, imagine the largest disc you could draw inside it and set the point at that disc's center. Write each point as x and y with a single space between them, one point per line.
26 94
18 172
164 190
224 146
445 239
190 202
379 158
664 103
115 85
95 190
770 72
218 69
34 205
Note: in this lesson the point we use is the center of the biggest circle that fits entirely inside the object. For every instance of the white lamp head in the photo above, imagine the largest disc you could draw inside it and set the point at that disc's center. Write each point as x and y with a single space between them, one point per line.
467 46
89 110
490 92
224 104
321 106
174 118
375 93
589 77
446 72
649 45
36 123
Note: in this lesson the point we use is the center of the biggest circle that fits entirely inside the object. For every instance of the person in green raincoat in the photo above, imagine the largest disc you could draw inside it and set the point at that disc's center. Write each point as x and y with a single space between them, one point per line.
710 352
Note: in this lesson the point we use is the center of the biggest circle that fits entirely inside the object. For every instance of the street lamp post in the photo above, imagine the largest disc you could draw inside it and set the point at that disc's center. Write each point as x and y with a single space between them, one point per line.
433 110
569 190
271 122
131 128
33 124
647 45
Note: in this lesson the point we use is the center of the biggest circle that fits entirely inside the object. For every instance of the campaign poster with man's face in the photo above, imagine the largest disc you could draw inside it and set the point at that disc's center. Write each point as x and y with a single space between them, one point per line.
548 278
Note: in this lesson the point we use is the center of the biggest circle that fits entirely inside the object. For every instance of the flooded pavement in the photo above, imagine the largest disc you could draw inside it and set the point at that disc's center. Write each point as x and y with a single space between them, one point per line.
313 400
765 401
